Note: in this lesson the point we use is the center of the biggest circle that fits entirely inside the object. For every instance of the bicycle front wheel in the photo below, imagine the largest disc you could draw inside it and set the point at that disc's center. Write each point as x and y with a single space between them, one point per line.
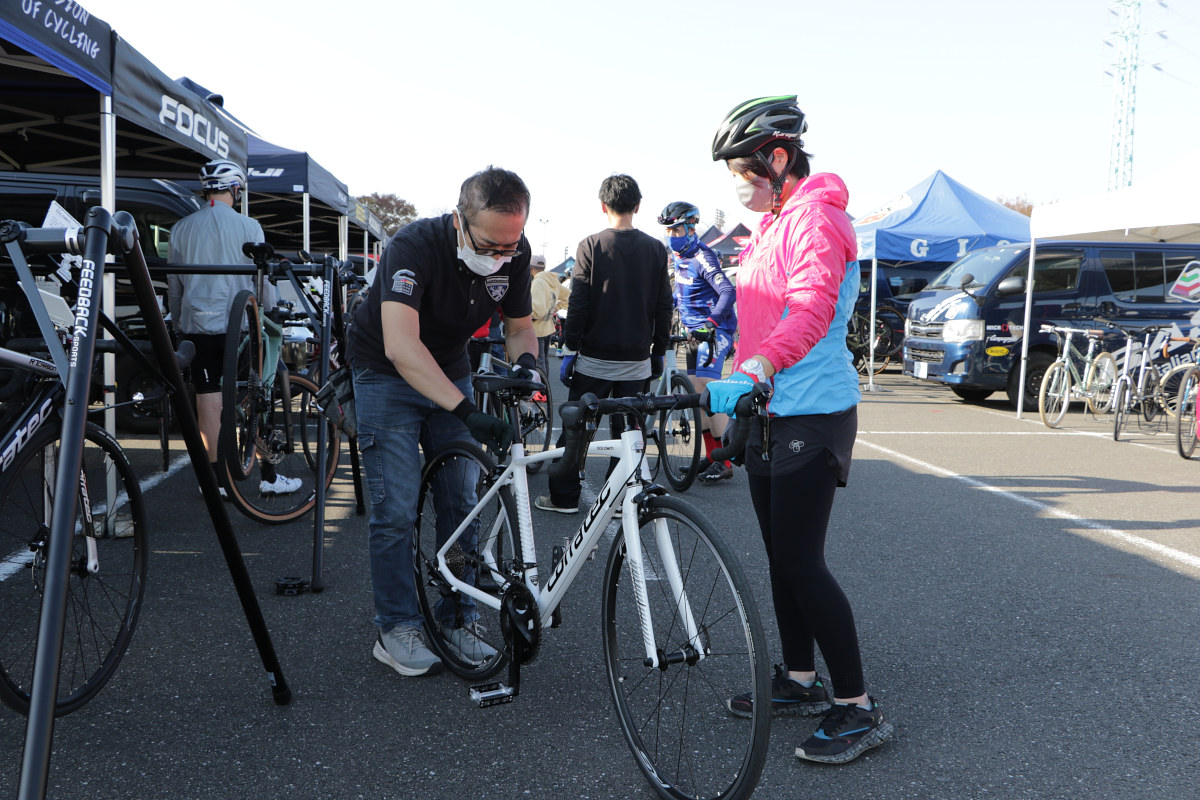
241 386
464 633
287 439
1122 406
1185 413
102 604
679 438
1150 394
1055 394
710 646
1101 376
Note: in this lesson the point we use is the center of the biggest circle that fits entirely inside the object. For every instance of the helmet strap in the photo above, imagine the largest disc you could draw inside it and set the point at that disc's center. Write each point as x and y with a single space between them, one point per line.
777 180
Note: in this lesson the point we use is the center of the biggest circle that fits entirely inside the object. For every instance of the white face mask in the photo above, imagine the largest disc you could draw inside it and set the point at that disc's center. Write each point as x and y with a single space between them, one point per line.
753 194
480 265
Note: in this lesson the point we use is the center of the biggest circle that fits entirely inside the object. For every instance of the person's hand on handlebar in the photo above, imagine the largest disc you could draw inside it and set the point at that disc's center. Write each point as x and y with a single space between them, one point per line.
703 333
526 368
724 394
490 431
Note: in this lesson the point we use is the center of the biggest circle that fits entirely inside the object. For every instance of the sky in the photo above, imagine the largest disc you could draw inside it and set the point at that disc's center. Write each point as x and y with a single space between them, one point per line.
395 96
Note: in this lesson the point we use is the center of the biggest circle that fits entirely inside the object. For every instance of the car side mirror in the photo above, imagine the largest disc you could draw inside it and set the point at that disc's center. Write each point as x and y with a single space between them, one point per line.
1014 284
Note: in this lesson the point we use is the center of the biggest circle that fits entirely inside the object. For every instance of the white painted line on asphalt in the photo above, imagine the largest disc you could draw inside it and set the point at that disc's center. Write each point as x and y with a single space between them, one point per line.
1169 553
1096 434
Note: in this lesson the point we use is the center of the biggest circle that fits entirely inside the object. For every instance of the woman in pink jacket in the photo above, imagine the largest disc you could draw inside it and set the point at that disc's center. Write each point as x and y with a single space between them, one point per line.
796 290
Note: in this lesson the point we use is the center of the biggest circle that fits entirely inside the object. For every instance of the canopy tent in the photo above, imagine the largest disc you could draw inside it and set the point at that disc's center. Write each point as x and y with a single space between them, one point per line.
935 222
1164 208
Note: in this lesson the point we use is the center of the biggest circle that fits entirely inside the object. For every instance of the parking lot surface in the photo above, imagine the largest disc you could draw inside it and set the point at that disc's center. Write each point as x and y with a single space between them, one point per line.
1026 600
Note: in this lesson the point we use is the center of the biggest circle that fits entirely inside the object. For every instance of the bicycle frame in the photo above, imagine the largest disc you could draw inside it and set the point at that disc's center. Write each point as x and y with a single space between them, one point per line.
616 490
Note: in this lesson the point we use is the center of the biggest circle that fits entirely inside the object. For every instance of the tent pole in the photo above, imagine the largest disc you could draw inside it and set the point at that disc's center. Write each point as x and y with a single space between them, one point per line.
307 247
1025 330
871 327
108 199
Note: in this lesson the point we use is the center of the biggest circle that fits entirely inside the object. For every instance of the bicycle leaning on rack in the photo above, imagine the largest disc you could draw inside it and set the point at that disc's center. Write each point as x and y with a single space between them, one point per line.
680 629
1064 381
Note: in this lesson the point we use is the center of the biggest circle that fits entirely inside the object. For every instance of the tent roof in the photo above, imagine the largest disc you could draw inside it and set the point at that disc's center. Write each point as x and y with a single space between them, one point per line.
939 219
1163 208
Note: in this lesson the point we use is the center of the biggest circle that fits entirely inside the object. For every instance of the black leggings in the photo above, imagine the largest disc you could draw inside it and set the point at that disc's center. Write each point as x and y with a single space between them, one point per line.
793 514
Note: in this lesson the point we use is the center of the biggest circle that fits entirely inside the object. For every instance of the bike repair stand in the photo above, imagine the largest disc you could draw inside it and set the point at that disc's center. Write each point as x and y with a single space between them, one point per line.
39 729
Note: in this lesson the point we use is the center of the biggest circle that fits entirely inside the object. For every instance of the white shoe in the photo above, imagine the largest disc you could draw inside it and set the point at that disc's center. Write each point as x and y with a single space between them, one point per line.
281 485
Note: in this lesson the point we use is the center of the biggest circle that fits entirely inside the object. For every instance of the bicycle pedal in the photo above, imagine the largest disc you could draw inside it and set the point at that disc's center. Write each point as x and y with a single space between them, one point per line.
491 694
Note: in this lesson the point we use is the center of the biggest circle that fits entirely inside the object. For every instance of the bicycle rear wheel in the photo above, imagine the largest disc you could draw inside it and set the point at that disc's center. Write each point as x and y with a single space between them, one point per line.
241 386
1055 395
454 477
1149 394
102 606
673 716
679 438
1098 383
1168 387
536 415
287 438
1185 413
1122 406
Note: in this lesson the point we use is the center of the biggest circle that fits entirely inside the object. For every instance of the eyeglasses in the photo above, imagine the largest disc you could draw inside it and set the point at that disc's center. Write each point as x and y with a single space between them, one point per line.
486 251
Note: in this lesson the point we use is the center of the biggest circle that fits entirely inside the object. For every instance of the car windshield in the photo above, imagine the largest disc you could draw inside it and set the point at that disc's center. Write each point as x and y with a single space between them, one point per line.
982 265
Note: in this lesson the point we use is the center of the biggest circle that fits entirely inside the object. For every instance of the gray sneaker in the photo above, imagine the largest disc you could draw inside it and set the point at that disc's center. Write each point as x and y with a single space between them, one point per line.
467 644
403 649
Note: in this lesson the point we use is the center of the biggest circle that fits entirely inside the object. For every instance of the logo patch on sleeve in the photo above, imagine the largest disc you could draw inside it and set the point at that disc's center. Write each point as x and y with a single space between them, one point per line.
404 281
497 286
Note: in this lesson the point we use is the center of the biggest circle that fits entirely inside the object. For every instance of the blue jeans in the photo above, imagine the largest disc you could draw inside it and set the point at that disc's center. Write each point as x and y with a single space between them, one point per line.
393 419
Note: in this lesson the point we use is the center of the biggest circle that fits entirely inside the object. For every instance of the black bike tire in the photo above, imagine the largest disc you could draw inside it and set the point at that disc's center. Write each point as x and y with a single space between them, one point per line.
240 386
726 614
896 343
301 393
1121 406
428 578
546 409
110 593
1185 413
1149 393
679 476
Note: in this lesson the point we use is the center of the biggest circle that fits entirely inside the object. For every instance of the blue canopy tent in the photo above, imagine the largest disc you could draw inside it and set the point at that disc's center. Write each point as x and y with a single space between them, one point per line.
934 223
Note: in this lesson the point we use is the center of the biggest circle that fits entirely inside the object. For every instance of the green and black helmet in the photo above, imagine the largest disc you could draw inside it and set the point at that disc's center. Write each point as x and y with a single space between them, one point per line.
756 123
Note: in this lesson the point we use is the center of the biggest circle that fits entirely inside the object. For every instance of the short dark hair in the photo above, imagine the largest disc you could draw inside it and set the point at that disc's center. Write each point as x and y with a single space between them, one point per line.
620 193
494 188
753 165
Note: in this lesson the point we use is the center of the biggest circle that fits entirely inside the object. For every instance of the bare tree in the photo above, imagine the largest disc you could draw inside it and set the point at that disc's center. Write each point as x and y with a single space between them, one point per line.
393 211
1021 204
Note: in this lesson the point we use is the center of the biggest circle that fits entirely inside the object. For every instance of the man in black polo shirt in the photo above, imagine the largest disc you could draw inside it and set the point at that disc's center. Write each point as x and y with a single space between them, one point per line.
440 279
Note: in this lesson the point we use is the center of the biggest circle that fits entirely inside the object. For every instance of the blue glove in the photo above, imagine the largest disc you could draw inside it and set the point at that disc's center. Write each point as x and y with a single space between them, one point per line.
526 368
724 394
567 371
656 367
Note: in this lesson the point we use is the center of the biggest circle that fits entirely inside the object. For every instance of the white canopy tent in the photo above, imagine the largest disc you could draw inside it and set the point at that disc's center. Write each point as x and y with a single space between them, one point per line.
1163 208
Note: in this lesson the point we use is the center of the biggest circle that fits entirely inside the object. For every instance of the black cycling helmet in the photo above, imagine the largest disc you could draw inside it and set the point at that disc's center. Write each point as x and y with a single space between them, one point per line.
679 213
756 123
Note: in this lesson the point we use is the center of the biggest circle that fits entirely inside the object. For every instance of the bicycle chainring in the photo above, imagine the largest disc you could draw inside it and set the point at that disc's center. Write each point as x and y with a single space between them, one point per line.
520 623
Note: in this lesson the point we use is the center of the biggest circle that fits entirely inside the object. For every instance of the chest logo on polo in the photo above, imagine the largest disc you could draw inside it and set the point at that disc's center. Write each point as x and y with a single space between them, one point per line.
404 281
497 286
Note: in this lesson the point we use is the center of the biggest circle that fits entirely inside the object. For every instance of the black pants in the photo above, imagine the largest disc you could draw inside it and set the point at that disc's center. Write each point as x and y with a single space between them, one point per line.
564 490
810 607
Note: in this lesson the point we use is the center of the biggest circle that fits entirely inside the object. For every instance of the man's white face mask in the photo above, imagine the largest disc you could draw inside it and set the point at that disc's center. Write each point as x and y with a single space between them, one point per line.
480 265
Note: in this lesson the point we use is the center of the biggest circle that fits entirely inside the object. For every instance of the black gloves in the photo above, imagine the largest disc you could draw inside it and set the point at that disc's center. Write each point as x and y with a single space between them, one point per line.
526 368
491 432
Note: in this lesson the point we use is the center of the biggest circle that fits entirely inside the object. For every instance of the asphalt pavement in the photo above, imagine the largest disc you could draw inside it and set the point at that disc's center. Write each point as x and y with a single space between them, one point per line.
1026 601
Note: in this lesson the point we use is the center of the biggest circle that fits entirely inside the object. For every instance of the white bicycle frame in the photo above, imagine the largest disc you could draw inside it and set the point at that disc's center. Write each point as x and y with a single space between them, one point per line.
587 538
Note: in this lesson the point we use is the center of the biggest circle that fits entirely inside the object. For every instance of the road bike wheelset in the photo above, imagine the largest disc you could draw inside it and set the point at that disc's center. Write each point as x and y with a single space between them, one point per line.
107 574
710 646
679 438
1055 395
1186 428
465 634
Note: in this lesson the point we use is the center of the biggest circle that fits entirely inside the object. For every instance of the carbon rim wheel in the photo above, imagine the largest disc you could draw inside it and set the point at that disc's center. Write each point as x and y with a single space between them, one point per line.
674 715
453 479
1055 394
242 390
680 439
287 438
102 606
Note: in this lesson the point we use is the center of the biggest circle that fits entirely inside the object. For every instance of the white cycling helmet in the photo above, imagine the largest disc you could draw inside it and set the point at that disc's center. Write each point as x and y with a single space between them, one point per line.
220 175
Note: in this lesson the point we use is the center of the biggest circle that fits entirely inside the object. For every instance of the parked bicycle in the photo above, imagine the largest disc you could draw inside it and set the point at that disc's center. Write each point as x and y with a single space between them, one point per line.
680 629
1092 382
673 435
862 337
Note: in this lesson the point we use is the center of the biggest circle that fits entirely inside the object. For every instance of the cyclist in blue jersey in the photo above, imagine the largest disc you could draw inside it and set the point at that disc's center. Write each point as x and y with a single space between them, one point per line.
704 296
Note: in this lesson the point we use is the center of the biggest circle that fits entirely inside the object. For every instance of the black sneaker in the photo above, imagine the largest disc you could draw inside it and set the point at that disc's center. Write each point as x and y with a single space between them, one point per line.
788 697
717 471
846 733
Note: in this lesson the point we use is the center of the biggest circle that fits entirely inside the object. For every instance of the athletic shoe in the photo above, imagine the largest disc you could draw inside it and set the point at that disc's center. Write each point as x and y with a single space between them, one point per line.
703 465
846 733
465 643
546 504
788 697
717 471
280 485
403 649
